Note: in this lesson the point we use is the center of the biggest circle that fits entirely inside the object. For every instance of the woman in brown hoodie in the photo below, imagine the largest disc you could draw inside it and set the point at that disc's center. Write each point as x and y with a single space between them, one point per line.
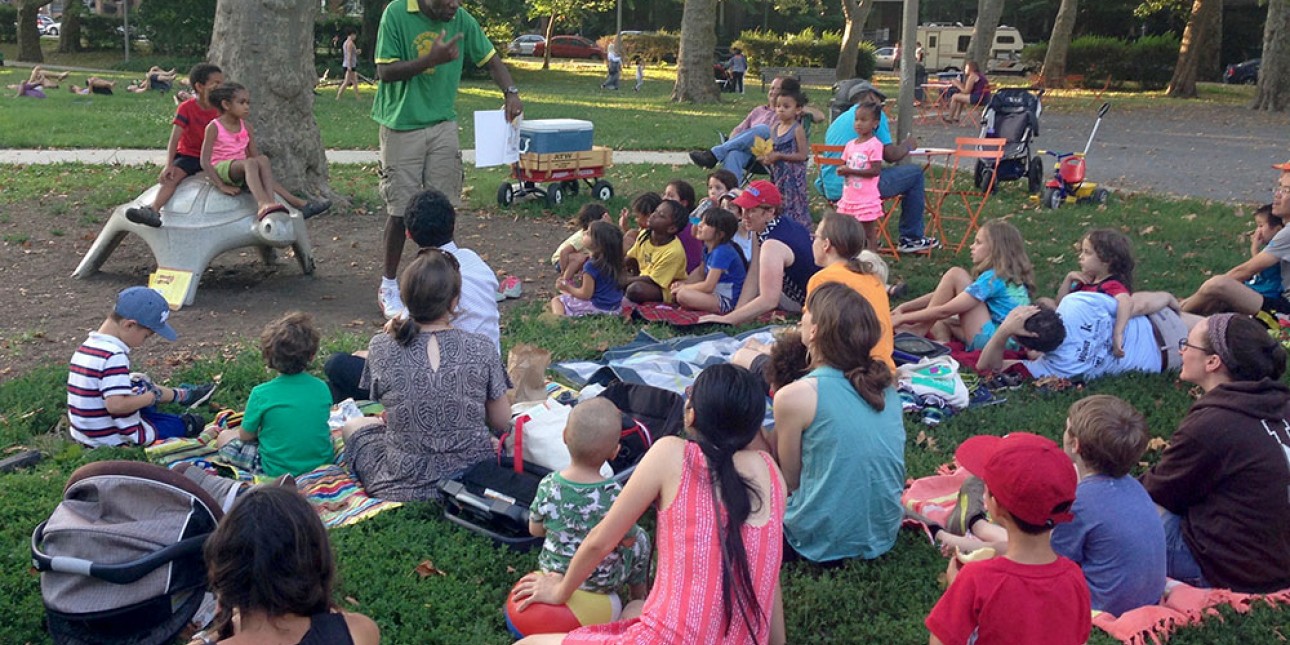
1224 481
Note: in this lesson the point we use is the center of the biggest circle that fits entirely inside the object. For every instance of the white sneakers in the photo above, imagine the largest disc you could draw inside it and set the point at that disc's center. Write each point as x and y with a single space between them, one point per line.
391 301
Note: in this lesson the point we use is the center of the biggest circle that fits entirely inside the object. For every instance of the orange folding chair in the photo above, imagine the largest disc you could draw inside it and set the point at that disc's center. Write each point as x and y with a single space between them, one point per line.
826 155
976 186
974 112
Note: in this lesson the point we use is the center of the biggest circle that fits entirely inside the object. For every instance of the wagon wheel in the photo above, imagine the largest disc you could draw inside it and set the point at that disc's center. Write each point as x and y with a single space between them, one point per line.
554 195
602 190
505 194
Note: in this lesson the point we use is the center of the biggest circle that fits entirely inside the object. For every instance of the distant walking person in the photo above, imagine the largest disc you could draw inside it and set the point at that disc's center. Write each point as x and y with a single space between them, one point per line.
640 72
615 64
349 61
738 66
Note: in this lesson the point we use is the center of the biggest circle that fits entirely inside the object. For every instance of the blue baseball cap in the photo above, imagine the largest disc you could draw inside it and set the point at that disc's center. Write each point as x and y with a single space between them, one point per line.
148 308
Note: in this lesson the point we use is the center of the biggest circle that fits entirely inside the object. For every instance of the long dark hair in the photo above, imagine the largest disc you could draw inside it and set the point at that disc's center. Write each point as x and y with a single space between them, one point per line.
728 410
1256 354
607 250
1115 249
270 554
846 329
726 225
429 286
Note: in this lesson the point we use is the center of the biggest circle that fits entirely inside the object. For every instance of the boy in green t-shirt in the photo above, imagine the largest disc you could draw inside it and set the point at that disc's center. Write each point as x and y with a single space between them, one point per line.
658 259
284 429
571 502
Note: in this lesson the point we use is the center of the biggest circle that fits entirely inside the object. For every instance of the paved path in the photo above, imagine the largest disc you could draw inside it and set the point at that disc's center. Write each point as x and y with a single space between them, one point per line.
147 157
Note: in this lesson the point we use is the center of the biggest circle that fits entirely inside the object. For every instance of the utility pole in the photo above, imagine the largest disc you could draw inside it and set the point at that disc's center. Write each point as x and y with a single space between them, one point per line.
618 33
908 61
125 14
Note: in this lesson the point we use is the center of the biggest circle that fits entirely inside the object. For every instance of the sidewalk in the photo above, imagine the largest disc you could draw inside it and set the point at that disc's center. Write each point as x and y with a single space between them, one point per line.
128 157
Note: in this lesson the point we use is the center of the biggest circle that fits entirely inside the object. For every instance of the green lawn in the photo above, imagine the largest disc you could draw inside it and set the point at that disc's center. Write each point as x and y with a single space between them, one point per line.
882 601
625 120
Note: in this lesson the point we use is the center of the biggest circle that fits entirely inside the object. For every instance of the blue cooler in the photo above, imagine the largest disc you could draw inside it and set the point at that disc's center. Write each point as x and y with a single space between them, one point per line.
545 136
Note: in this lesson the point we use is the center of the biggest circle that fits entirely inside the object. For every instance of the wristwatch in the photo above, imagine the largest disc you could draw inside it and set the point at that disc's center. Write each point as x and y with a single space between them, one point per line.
512 90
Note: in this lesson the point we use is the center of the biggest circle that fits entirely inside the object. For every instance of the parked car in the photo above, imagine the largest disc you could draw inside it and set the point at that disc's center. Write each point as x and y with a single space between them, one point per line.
570 47
885 58
43 22
523 46
1246 73
53 29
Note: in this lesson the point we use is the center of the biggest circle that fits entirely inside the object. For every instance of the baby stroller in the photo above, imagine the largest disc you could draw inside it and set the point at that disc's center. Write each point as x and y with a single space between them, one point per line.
1013 114
120 558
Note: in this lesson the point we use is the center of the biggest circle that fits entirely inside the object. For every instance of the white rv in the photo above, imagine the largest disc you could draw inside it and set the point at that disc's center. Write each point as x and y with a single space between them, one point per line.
945 48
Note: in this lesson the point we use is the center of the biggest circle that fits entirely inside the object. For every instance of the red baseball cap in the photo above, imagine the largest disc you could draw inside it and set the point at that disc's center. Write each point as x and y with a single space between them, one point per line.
1282 166
1030 475
759 193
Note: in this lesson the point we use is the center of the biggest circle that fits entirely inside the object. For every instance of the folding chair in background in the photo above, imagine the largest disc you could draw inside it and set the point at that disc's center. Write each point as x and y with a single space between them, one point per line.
827 155
967 150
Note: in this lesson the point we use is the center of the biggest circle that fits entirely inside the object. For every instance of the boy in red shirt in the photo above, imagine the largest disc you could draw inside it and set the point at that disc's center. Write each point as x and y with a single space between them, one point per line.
1030 595
183 153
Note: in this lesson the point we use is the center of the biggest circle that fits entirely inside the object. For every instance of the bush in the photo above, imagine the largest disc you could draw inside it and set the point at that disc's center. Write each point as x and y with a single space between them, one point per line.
329 33
1033 55
1098 56
1152 60
8 23
652 47
178 27
100 32
803 49
866 60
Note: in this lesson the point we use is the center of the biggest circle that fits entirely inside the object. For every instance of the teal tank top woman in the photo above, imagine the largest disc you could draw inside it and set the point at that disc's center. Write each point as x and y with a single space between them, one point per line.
853 472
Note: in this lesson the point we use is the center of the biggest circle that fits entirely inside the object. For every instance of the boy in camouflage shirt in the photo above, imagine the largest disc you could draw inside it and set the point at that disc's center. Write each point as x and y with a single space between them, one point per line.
571 502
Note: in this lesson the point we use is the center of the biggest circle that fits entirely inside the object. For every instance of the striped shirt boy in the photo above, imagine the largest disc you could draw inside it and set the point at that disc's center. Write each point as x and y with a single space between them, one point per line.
101 368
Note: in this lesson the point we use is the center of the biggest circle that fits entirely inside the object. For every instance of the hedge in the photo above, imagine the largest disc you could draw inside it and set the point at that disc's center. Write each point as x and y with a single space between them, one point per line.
178 27
803 49
1148 61
652 47
8 23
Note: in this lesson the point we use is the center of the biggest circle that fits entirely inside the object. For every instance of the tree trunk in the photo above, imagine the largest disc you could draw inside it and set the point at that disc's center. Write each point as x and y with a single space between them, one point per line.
694 80
366 41
546 48
856 13
988 13
28 34
246 34
1059 43
69 33
1183 83
1210 67
1274 77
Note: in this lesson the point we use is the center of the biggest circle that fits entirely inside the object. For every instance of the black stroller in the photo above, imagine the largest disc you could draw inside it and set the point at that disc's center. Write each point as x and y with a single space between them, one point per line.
1013 114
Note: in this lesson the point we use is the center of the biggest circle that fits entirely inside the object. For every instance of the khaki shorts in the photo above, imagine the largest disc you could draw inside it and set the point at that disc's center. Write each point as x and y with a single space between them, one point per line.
414 160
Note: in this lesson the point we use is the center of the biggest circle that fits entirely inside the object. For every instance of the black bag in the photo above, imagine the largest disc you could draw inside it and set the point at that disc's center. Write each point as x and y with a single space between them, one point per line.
648 413
911 348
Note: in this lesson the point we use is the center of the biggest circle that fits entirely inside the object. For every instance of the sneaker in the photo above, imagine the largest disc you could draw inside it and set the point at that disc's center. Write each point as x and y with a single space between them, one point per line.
511 287
969 507
195 395
897 290
1005 381
917 244
704 158
314 207
194 424
391 302
145 215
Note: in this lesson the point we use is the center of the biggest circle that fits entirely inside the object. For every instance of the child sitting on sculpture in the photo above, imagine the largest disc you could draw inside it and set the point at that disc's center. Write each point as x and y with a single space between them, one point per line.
231 159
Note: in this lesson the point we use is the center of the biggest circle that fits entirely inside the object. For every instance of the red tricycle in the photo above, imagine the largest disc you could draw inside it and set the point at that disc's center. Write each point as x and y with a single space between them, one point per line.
561 172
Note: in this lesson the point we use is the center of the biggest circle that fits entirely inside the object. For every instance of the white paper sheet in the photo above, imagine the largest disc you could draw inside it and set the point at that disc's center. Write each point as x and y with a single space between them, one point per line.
497 142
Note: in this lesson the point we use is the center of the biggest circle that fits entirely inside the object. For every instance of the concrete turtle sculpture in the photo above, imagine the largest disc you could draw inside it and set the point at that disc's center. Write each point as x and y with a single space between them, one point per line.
200 223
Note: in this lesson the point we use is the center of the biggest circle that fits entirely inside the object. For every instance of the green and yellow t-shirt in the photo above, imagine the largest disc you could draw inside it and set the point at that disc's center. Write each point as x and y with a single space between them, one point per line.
429 97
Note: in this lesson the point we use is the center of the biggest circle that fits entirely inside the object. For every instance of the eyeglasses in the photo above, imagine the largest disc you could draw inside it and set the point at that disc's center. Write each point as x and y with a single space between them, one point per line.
1182 344
1281 190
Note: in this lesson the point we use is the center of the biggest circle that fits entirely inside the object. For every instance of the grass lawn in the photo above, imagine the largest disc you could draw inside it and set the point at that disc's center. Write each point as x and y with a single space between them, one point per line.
882 601
625 120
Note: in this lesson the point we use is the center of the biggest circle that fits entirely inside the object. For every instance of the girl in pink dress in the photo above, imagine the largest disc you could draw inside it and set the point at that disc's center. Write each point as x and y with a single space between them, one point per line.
861 165
714 584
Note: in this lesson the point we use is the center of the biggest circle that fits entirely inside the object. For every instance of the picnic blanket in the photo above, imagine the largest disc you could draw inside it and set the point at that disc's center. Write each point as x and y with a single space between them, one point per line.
671 364
680 317
334 491
934 497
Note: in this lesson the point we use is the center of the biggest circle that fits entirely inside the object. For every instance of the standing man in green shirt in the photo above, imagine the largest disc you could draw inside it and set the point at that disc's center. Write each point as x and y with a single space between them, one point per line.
419 52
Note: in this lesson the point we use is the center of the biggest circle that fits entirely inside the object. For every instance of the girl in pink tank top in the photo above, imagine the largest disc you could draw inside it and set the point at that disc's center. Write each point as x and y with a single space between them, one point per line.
720 530
231 160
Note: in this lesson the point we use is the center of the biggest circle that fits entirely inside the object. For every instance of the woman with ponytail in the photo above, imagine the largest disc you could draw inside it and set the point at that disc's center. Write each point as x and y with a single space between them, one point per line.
720 513
442 389
840 437
839 241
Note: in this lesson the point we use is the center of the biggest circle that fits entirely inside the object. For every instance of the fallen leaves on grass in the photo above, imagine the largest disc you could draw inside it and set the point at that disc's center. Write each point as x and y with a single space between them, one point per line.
923 439
427 569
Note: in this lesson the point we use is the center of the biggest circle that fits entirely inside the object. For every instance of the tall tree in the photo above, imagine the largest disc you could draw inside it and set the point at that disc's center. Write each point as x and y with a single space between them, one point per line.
69 33
1059 42
694 82
28 34
372 10
1274 75
249 32
988 13
566 12
1203 12
856 13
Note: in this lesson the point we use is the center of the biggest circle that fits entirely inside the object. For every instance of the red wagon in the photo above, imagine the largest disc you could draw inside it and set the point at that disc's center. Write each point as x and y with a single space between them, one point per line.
561 172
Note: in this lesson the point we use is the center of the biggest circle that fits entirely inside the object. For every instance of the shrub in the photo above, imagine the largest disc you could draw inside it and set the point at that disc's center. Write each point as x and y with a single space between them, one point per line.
329 33
1033 55
8 23
100 32
1152 59
1098 56
652 47
866 60
803 49
178 27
